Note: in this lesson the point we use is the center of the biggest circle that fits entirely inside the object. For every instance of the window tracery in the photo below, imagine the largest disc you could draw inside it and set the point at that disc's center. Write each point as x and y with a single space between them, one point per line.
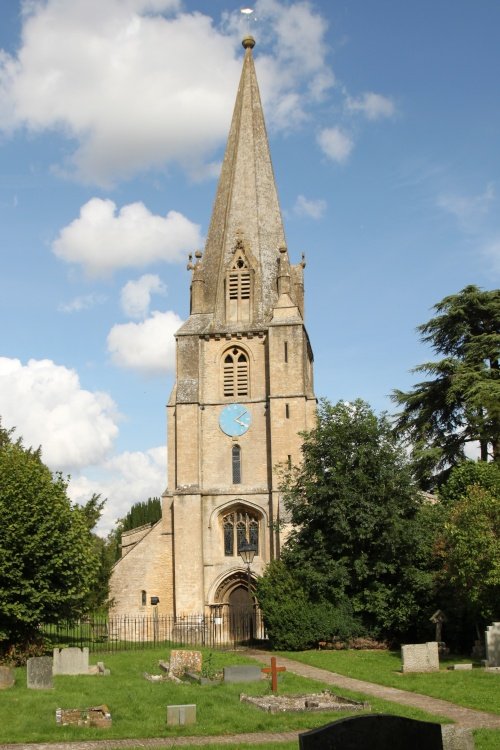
236 373
240 526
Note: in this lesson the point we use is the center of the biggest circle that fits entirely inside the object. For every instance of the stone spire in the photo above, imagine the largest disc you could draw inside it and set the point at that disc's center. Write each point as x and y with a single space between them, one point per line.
246 211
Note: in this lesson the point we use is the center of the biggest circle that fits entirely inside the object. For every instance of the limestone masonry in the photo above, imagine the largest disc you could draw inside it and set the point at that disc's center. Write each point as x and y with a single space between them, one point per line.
243 392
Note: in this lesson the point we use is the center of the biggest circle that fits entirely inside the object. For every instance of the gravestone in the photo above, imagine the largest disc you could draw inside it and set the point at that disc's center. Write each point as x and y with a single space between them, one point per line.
39 674
184 661
493 645
7 678
242 673
181 715
378 732
71 660
420 657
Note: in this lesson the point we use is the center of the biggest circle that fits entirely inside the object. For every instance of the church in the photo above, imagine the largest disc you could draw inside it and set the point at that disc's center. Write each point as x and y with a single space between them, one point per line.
243 393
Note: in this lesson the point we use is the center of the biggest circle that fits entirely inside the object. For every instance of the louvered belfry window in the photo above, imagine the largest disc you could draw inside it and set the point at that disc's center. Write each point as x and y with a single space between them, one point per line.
239 290
236 373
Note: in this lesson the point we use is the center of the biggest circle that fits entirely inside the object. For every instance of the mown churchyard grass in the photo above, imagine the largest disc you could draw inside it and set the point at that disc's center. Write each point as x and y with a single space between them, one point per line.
475 689
138 707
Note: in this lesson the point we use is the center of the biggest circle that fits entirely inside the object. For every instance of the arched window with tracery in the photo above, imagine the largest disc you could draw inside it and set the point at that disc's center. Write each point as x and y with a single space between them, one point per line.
236 373
240 525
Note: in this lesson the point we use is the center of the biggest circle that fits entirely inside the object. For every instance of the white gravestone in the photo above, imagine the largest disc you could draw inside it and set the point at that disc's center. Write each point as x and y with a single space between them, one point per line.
71 661
420 657
493 645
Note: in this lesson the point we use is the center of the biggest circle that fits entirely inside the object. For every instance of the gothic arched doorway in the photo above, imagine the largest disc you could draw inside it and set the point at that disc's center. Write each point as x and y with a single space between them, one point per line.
237 606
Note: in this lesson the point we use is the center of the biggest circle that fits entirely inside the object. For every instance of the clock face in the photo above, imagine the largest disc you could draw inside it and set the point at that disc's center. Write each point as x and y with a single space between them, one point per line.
235 420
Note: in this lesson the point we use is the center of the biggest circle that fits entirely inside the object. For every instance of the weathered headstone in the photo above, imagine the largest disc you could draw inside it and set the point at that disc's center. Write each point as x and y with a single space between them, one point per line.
493 645
457 738
378 732
7 677
98 716
242 673
460 667
39 673
184 661
420 657
72 660
181 715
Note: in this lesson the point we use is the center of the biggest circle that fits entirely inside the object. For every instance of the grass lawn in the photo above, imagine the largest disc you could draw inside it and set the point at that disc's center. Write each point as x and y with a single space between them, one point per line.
477 689
138 707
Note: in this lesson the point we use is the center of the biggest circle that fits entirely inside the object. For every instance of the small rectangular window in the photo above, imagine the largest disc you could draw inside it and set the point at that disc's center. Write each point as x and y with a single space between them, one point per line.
286 351
287 411
143 598
289 462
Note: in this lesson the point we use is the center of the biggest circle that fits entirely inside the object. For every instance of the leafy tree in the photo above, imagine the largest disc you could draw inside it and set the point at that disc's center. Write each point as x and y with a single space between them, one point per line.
293 622
469 543
460 402
359 537
48 564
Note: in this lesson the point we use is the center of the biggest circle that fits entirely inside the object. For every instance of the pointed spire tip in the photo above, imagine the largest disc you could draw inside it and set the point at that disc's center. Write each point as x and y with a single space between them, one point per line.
248 42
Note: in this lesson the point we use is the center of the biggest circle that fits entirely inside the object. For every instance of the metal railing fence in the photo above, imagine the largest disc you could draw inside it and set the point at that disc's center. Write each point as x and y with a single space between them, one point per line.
124 632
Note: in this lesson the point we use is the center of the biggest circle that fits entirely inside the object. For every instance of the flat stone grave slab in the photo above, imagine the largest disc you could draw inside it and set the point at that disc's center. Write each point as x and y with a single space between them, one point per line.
97 716
71 660
181 715
184 661
460 667
39 673
7 677
379 732
242 673
325 701
420 657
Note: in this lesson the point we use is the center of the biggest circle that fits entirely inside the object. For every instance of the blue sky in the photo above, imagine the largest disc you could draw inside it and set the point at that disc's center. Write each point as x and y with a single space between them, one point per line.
384 123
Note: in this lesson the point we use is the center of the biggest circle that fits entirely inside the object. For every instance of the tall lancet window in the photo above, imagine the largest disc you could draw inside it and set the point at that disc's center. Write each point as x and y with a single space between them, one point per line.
236 373
239 287
236 464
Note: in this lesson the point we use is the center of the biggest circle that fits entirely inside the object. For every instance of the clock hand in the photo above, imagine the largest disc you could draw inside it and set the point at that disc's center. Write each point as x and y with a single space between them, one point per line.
237 419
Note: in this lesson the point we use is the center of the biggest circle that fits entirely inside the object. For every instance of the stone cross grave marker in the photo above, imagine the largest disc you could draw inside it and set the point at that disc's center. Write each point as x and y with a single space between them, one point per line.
7 678
438 618
492 636
378 732
39 673
273 671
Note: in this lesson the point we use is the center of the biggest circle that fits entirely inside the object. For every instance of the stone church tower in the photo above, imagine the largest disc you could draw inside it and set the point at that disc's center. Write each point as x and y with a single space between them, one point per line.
243 392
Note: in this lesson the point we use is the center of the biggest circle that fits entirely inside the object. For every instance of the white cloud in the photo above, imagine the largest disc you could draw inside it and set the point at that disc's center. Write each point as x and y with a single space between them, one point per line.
139 83
373 106
336 144
103 240
47 405
491 251
314 209
84 302
148 347
469 210
124 479
135 296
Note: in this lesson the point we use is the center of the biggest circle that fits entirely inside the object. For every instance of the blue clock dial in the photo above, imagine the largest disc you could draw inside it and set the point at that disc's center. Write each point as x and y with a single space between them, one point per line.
235 419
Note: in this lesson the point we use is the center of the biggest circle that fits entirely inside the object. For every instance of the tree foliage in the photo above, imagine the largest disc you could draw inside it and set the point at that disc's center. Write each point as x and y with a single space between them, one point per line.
469 543
359 538
48 564
459 402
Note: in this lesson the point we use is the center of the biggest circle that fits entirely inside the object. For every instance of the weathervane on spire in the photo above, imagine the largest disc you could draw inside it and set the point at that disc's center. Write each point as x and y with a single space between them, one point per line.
247 16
